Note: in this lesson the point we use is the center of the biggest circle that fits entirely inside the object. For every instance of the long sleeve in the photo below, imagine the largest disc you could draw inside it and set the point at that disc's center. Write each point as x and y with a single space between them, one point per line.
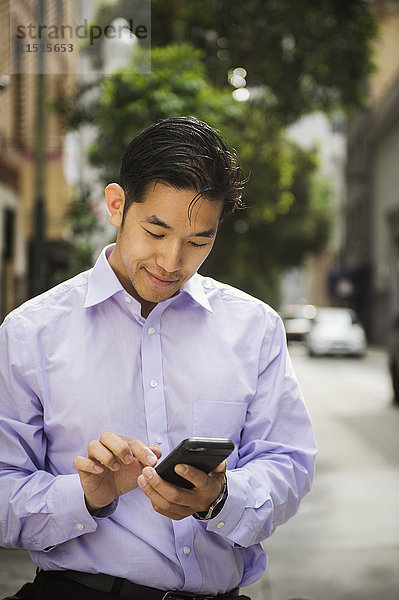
38 510
276 460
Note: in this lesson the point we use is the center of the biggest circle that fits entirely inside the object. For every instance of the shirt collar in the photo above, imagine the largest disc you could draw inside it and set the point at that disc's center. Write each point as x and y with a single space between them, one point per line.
103 283
194 288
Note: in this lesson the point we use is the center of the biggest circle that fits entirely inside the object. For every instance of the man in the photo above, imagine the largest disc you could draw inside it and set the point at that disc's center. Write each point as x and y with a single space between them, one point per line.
117 366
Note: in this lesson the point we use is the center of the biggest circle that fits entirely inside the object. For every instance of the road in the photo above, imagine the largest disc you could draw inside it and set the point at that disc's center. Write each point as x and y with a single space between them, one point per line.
344 542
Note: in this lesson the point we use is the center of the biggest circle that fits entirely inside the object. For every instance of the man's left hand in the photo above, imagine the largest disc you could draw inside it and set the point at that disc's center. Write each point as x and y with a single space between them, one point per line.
176 502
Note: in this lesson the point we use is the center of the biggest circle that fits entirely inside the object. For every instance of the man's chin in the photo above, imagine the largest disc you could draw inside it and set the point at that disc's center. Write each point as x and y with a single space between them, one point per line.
158 296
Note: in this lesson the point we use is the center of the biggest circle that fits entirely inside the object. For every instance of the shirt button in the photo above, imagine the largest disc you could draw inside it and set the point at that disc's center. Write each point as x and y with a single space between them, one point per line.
79 526
187 550
151 330
220 524
153 383
127 299
159 439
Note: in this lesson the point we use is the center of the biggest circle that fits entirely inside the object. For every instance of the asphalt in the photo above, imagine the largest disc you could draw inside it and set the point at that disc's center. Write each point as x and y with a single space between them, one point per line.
344 542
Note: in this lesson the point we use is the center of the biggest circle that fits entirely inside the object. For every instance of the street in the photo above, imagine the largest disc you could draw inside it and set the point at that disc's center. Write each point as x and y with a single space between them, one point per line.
344 542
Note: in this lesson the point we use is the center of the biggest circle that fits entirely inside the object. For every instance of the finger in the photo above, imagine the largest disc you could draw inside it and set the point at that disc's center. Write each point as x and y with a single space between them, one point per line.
143 453
86 465
157 451
171 506
118 446
99 453
221 468
171 493
197 477
127 449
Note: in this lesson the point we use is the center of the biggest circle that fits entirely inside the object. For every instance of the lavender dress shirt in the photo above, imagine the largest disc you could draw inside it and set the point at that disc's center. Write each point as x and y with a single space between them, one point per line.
211 362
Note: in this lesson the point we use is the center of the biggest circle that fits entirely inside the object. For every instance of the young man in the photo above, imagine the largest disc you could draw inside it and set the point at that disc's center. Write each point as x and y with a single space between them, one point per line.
104 373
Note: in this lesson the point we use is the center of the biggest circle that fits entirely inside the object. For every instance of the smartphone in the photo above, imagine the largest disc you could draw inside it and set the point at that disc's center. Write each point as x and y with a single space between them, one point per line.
201 453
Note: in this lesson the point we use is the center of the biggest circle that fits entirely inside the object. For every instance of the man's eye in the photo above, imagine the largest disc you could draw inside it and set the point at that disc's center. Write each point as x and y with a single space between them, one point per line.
195 245
154 235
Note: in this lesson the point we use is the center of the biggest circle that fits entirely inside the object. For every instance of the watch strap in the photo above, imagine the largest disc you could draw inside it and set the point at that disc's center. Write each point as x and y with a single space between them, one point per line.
216 506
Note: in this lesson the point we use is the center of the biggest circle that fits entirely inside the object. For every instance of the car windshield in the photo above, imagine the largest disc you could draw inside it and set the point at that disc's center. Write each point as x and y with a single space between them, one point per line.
335 316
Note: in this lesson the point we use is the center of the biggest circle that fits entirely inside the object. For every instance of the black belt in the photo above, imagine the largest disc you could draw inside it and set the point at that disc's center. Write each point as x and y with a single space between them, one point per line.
131 591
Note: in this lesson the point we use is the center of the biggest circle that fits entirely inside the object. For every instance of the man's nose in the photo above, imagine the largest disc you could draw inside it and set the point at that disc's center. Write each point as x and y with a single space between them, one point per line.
170 259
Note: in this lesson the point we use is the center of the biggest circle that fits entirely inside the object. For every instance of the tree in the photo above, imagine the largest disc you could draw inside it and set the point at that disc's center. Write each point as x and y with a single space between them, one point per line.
177 85
281 223
287 219
83 223
298 57
307 55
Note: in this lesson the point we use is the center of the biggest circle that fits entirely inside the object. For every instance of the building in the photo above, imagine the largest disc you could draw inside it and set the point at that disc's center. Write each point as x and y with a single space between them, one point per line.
19 131
310 282
368 274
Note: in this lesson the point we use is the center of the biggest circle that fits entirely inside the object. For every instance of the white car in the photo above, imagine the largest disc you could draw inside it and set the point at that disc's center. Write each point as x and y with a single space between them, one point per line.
297 320
336 331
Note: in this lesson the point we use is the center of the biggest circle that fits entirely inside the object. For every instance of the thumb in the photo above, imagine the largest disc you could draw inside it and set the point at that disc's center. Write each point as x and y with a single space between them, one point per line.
221 468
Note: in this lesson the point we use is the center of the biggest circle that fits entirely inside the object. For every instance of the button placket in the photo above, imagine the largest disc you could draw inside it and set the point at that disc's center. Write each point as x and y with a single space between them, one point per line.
152 372
184 544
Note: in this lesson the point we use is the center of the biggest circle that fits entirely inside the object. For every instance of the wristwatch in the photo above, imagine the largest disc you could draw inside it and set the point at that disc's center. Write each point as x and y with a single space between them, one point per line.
215 507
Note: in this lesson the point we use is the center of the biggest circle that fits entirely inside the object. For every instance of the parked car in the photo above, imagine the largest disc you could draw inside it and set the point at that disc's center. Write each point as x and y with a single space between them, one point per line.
297 320
336 331
393 354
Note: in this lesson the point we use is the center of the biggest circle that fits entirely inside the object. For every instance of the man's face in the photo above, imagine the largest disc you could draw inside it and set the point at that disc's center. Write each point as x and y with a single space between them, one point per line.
159 248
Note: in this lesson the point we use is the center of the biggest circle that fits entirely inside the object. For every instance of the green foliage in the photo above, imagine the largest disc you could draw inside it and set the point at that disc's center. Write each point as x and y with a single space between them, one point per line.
286 219
280 224
130 102
299 57
82 223
308 55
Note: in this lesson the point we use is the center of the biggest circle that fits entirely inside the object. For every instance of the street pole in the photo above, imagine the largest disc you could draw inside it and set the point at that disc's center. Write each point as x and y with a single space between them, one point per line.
39 234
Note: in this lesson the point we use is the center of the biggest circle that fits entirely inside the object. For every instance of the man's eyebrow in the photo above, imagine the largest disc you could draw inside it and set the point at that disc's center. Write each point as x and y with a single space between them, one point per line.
210 233
154 220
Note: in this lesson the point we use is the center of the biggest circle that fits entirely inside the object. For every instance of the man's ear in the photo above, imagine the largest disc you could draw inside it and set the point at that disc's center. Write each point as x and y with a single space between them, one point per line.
115 200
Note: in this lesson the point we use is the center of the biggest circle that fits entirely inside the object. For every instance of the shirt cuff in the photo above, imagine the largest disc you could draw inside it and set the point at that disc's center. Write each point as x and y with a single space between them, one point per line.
231 522
68 508
105 511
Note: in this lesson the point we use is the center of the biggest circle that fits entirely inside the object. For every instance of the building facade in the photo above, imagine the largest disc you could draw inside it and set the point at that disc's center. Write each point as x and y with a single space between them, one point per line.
369 256
19 130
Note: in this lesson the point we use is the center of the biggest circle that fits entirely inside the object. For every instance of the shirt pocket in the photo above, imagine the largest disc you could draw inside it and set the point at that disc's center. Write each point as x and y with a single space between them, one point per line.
219 419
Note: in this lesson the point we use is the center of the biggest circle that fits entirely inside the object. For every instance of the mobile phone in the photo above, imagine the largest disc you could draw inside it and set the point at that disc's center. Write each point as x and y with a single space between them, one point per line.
202 453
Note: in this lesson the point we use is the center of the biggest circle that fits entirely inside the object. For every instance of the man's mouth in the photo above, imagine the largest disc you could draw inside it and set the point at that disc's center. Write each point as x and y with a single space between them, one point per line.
159 281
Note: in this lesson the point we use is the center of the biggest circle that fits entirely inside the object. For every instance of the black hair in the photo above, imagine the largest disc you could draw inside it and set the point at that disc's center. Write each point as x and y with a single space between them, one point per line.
185 153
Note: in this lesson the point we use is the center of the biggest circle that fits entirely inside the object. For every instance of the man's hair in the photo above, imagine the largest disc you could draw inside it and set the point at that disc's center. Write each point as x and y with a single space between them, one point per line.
185 153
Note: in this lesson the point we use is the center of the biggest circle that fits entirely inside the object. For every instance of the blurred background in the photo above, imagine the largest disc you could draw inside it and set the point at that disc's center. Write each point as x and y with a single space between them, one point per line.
307 93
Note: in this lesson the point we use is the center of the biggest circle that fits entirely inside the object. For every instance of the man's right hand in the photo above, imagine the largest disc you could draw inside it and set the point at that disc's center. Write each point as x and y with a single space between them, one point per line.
113 465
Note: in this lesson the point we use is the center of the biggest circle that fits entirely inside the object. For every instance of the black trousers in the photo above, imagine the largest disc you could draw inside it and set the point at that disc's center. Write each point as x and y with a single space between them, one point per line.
54 587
